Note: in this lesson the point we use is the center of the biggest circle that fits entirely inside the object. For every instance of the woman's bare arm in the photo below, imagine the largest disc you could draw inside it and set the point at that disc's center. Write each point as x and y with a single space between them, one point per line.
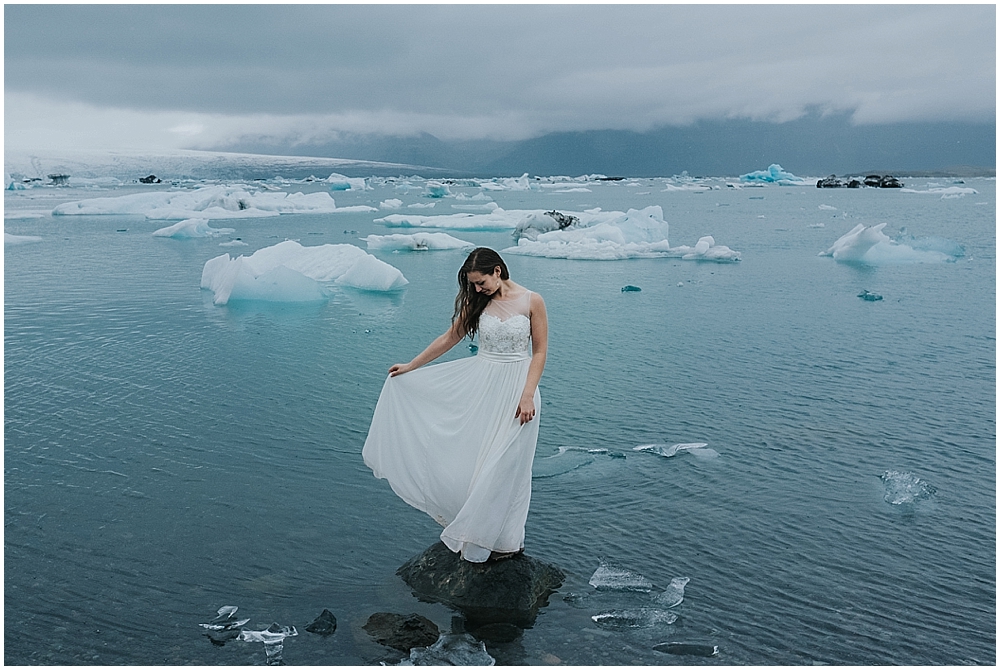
539 348
440 345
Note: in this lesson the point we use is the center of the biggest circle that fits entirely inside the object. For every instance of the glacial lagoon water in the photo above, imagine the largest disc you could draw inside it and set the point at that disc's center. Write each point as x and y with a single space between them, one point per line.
165 457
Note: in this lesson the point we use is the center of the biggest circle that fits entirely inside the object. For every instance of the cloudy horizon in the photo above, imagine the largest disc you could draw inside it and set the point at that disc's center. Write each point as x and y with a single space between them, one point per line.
203 77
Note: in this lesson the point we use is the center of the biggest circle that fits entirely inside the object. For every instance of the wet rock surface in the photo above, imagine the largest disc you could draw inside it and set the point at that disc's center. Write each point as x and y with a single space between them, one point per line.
402 631
324 624
506 591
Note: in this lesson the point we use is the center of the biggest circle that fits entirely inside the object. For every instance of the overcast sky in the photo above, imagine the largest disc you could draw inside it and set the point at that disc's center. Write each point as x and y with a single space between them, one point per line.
187 76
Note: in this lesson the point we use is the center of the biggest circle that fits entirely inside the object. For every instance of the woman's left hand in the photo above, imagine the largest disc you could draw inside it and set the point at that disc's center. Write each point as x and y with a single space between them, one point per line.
525 410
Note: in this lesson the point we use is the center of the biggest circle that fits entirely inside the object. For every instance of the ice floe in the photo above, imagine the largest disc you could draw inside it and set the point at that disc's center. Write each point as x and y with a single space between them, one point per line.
869 245
498 219
210 202
642 617
435 189
673 595
946 193
10 240
339 182
191 228
290 272
416 242
597 235
273 638
905 488
391 203
773 174
698 449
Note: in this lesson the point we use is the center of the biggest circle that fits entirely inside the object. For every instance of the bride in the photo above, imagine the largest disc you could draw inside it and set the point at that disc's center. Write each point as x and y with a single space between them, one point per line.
456 440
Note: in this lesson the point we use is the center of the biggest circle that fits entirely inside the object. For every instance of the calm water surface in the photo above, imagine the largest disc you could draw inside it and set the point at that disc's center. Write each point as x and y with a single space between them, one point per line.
164 457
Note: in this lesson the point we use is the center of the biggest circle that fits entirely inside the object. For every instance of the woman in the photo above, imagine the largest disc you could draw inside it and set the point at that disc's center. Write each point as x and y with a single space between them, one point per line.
456 440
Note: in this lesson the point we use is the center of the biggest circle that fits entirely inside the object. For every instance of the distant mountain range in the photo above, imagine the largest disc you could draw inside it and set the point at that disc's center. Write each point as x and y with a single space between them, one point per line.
813 145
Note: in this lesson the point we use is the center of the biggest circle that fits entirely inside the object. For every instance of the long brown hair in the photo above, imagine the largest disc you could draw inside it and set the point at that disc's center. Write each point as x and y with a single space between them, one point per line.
469 303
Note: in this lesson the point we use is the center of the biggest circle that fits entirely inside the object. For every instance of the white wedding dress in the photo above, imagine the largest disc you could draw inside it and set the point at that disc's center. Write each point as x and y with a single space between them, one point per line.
446 439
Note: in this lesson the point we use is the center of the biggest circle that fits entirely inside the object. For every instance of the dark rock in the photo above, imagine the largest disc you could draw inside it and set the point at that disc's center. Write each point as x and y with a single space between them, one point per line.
324 624
151 179
829 182
873 180
890 182
870 297
686 649
630 289
854 183
611 179
402 632
59 179
506 591
498 632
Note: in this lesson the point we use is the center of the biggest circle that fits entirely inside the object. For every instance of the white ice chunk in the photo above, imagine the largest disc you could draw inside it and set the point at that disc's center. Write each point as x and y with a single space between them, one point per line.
339 182
416 242
673 595
233 243
498 219
905 488
391 203
869 245
422 205
485 207
451 649
946 193
191 228
256 277
642 617
829 208
669 450
10 240
435 189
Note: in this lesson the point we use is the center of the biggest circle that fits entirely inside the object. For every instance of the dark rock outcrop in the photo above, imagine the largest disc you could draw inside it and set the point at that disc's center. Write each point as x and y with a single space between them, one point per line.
854 183
889 181
324 624
402 631
829 182
151 179
873 180
511 590
564 220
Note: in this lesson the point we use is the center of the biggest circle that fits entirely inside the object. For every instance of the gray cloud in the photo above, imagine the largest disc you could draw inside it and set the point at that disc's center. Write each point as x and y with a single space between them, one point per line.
492 71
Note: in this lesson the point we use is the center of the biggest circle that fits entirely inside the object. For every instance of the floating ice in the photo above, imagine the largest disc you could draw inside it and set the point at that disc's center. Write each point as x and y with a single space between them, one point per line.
435 189
339 182
190 228
568 459
479 197
225 626
211 202
391 203
670 450
612 236
773 174
451 649
828 208
507 184
578 189
273 638
416 242
484 207
905 487
869 296
422 205
611 577
233 243
642 617
688 649
946 193
10 240
673 595
498 219
697 188
290 272
869 245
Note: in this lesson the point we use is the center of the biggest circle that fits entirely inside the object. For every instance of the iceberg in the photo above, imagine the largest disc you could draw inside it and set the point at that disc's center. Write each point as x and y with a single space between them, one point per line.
416 242
435 189
905 488
290 272
451 649
10 240
773 174
869 245
391 203
339 182
190 228
210 202
273 638
610 236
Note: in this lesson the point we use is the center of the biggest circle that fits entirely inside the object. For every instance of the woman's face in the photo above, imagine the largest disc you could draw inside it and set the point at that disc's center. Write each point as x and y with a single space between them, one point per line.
487 284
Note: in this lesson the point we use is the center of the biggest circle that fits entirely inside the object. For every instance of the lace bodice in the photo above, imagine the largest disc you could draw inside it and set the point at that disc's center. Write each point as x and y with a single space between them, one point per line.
505 325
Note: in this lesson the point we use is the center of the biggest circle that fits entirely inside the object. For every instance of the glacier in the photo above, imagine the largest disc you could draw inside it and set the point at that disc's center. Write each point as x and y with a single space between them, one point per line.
190 228
210 202
290 272
416 242
870 246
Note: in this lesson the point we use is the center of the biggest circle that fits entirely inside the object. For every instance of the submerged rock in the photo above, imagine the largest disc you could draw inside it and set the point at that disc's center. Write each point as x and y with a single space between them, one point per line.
829 182
688 649
869 296
507 591
324 624
402 632
630 288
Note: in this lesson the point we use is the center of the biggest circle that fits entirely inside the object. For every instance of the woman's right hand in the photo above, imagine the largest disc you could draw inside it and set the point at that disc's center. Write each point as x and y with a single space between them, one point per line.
399 368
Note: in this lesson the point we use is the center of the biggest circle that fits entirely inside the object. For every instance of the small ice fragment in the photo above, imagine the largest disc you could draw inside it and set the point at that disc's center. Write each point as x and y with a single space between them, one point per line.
273 638
451 649
643 617
19 239
828 208
671 450
870 297
436 190
629 288
905 487
225 619
688 649
611 577
704 453
673 595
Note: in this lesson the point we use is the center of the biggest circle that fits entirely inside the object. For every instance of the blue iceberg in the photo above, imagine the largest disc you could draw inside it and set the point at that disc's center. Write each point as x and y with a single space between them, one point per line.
773 174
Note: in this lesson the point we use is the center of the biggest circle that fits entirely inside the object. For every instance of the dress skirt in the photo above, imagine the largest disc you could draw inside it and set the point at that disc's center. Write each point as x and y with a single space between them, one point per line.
446 439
